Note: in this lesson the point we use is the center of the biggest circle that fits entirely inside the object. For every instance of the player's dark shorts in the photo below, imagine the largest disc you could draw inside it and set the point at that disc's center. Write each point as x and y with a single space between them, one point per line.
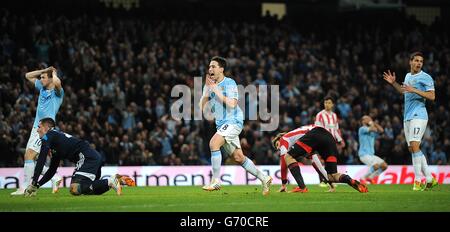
88 166
320 140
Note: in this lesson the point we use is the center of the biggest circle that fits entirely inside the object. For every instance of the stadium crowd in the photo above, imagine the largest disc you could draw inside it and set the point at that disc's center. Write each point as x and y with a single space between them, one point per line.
118 75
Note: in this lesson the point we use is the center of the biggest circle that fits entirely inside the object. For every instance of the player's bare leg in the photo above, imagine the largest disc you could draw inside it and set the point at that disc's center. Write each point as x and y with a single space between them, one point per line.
250 167
343 178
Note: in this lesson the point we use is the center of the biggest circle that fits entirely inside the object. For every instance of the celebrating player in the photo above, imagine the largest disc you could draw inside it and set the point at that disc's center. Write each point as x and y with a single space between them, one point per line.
222 94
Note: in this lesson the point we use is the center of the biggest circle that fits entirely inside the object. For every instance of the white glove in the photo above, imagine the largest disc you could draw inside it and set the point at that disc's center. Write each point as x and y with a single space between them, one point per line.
31 191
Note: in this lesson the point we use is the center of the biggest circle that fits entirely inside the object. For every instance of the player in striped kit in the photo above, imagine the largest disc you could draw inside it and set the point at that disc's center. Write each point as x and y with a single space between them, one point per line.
283 142
328 120
314 138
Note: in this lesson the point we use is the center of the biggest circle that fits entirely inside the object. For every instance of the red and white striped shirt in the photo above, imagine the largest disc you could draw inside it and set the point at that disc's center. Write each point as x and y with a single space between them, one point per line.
290 138
329 121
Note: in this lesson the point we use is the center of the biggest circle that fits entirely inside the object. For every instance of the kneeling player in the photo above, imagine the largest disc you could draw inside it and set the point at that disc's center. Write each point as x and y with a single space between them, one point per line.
86 177
316 138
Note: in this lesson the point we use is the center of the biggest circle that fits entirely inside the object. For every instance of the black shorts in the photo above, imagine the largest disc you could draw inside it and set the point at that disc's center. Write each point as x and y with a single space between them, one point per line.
320 140
88 166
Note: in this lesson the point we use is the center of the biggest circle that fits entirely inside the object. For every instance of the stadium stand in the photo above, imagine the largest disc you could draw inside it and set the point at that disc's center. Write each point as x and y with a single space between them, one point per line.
118 69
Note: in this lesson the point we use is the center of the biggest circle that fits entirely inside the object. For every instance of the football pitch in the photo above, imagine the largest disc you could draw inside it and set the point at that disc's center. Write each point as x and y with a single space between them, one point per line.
381 198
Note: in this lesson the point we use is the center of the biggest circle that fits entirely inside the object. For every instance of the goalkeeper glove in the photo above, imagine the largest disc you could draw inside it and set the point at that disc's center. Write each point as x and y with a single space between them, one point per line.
31 190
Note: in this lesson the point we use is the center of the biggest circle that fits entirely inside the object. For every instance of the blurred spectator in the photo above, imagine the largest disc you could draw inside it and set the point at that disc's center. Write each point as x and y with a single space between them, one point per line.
438 157
118 72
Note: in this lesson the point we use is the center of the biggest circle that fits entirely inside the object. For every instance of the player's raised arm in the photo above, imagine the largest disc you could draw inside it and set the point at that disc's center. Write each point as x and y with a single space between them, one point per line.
33 75
374 126
390 78
56 82
379 128
205 96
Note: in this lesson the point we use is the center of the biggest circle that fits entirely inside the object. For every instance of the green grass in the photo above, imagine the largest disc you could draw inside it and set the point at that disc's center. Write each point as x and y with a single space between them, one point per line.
381 198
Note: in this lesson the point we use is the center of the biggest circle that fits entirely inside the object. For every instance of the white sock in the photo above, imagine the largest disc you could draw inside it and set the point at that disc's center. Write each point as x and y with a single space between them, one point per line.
315 159
370 172
216 163
28 172
56 177
417 163
376 173
249 166
426 171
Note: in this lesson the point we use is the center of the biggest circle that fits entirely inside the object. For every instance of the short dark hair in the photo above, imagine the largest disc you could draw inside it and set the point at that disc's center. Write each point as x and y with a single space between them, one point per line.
328 97
48 121
221 61
277 138
414 54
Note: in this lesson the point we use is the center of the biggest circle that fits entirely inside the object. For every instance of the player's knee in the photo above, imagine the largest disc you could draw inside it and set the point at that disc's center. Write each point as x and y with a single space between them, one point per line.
214 144
289 159
334 177
384 166
75 189
415 147
30 154
375 167
238 156
410 149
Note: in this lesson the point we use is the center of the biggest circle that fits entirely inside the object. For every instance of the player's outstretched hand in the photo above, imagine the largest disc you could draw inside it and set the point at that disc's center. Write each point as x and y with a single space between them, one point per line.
389 77
31 191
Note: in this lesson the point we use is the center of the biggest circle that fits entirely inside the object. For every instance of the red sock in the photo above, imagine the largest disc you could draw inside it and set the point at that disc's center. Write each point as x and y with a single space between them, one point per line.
345 179
297 174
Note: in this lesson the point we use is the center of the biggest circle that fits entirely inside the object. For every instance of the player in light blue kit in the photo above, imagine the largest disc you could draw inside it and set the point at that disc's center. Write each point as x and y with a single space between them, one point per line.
417 88
222 94
367 134
50 99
